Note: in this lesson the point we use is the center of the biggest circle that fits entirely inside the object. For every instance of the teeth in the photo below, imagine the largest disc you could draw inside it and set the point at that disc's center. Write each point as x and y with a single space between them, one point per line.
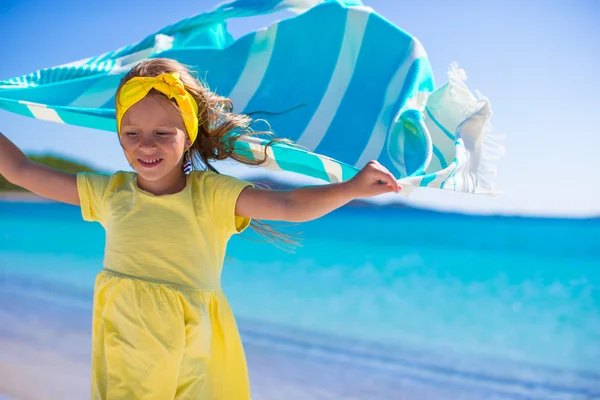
150 161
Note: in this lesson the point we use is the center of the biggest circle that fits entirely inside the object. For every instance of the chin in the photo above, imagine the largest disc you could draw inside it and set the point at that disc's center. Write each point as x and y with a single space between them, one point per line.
149 176
152 174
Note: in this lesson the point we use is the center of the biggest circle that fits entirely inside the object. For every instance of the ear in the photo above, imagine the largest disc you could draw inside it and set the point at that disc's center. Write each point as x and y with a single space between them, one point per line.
188 142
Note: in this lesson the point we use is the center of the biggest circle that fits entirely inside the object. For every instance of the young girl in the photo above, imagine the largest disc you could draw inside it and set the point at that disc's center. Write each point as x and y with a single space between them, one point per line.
162 327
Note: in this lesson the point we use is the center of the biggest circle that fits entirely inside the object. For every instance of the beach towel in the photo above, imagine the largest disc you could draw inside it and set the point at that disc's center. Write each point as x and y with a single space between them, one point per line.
338 79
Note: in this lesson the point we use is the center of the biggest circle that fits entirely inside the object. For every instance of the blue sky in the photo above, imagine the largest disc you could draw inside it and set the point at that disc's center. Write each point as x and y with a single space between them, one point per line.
537 61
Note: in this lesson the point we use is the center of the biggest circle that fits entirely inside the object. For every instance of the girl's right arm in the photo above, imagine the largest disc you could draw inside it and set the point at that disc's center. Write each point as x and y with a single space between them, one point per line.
35 177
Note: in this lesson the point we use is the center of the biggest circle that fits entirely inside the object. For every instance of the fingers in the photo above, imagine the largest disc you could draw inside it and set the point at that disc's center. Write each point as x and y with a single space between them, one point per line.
382 188
393 187
385 177
382 180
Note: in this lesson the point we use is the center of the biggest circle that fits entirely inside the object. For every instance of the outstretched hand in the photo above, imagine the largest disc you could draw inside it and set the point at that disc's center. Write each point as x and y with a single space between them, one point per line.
372 180
310 202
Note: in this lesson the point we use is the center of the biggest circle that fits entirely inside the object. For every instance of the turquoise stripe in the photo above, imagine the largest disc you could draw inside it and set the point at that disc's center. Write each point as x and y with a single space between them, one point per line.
298 75
299 98
455 161
243 149
96 94
440 156
427 179
360 107
426 79
416 151
293 159
219 69
98 118
92 60
348 171
435 121
15 107
50 93
300 162
458 143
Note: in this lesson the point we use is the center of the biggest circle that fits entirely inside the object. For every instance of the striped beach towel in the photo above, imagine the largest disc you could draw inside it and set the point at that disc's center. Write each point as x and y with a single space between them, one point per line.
338 79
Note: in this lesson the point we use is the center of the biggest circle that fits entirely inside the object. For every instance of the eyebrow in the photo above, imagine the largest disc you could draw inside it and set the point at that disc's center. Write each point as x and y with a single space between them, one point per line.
156 127
129 127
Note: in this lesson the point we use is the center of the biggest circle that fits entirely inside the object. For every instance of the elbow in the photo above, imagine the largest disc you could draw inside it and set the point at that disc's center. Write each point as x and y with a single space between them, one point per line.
12 177
297 219
14 174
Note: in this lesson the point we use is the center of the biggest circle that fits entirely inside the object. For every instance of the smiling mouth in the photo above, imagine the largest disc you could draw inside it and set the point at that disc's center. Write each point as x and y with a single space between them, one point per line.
149 162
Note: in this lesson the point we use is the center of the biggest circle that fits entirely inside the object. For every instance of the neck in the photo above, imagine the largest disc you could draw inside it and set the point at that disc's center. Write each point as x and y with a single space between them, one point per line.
170 184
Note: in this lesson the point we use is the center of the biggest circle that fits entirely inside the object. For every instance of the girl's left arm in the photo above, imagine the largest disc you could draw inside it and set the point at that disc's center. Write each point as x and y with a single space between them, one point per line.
308 203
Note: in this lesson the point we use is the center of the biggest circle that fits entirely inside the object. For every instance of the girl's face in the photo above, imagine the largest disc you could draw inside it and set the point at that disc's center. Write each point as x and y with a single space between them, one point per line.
154 138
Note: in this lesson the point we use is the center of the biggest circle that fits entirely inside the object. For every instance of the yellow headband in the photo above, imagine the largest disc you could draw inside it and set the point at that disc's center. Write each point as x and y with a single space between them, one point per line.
168 84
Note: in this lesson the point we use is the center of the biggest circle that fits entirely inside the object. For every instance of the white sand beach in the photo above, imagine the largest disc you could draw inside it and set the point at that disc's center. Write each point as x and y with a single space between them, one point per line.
41 361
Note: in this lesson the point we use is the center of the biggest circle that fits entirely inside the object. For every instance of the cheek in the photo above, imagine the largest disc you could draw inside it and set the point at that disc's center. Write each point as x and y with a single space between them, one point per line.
126 145
176 150
126 141
171 147
178 142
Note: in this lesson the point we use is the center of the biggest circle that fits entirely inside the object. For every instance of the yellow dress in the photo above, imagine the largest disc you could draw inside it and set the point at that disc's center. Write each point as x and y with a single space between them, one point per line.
162 327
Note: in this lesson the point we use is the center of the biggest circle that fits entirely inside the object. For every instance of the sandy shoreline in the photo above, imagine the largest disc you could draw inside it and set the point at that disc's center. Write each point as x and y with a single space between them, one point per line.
45 354
39 361
29 373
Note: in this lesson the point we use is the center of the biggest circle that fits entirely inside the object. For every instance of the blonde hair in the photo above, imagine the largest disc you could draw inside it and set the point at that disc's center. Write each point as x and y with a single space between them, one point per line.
218 130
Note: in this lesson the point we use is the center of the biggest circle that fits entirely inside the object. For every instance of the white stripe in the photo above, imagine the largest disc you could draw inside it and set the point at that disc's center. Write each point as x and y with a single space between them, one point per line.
462 178
450 182
363 8
377 138
333 169
41 111
12 84
76 63
297 6
98 94
259 153
96 100
409 184
255 68
440 177
316 129
93 98
399 142
257 150
125 63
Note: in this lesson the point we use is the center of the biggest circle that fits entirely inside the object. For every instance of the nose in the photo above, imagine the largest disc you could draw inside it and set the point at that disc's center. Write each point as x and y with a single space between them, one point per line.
147 143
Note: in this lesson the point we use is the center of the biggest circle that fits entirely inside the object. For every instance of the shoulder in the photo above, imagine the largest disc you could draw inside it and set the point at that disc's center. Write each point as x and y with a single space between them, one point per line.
104 182
215 189
122 179
218 194
119 176
209 180
96 192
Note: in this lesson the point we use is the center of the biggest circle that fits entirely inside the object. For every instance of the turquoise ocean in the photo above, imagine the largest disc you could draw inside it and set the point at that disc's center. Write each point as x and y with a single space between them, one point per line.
446 305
